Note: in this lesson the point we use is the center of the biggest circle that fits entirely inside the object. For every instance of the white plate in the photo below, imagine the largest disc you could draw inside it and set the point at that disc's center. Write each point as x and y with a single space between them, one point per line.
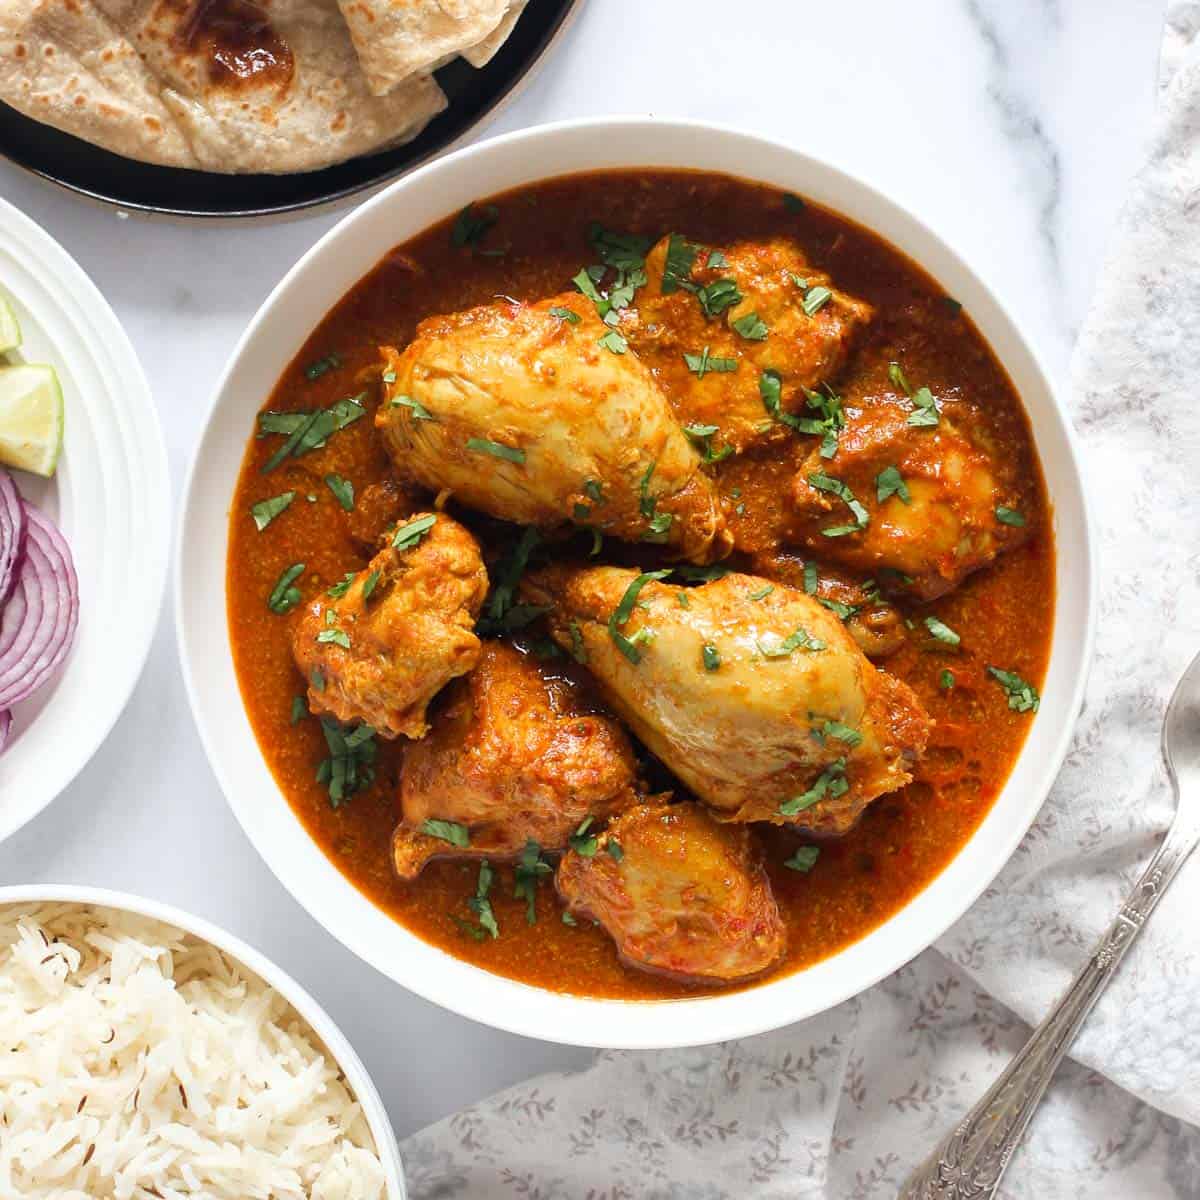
111 499
275 335
320 1021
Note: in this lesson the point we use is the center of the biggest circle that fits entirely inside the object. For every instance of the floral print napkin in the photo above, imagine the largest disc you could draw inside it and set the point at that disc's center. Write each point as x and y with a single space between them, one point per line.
846 1104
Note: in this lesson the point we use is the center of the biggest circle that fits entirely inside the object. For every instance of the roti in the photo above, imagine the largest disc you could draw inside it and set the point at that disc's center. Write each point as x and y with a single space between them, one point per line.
397 39
251 86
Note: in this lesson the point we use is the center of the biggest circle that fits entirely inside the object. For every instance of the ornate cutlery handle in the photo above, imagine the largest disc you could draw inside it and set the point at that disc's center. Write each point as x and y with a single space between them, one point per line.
968 1164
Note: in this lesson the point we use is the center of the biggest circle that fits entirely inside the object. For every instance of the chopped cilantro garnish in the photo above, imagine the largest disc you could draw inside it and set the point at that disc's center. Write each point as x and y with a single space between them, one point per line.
583 843
717 296
835 487
624 611
480 905
946 680
512 454
565 314
613 850
762 593
942 632
339 589
831 782
342 489
407 536
265 511
701 436
621 251
889 482
308 430
447 831
527 874
751 326
348 769
322 366
800 640
1009 516
503 615
844 611
339 637
472 223
711 657
418 410
843 733
299 709
677 270
803 860
613 342
815 299
1022 696
284 596
810 578
702 364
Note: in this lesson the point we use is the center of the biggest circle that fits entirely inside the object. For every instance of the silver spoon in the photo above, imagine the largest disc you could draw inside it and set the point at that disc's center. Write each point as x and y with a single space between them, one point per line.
968 1164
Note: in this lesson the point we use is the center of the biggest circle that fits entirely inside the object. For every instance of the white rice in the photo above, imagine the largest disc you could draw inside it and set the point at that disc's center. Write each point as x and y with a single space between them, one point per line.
137 1062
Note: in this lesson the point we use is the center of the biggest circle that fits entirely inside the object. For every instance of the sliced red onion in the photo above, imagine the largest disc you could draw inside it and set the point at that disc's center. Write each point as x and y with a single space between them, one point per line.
38 623
12 532
5 728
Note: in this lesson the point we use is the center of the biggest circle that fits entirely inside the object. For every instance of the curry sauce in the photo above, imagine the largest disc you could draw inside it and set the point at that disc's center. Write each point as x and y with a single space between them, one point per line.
538 242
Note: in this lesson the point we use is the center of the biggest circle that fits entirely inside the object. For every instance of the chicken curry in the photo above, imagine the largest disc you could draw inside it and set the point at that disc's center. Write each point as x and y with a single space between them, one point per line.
641 583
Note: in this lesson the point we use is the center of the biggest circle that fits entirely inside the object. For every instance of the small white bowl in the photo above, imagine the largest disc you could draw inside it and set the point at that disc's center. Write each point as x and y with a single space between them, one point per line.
320 1021
275 335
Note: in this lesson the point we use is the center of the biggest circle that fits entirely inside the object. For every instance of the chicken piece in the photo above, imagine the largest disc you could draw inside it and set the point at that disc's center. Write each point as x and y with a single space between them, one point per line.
755 696
377 508
680 895
774 282
525 414
938 526
514 755
875 624
402 629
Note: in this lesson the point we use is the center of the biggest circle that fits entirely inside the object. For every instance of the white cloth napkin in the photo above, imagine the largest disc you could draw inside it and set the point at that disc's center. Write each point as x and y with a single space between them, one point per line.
845 1105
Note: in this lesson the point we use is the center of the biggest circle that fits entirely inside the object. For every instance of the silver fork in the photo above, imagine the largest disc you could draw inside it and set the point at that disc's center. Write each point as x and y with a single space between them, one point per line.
968 1164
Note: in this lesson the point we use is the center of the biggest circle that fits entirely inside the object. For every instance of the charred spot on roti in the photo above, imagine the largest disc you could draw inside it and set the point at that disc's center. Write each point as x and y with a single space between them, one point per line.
238 41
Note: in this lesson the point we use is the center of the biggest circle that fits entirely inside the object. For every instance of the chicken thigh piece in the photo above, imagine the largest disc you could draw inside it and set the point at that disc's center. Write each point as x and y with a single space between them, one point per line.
754 695
514 755
538 414
401 629
681 895
784 316
949 505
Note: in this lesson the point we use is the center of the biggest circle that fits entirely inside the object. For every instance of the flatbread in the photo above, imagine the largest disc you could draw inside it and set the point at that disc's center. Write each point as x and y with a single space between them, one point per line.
68 66
483 52
396 39
268 87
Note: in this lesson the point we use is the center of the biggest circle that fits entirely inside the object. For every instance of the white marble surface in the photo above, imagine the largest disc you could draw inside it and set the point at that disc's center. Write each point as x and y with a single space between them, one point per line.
1010 125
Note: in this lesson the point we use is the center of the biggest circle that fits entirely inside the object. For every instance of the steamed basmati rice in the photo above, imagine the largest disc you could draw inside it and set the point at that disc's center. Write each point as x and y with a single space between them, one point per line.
138 1062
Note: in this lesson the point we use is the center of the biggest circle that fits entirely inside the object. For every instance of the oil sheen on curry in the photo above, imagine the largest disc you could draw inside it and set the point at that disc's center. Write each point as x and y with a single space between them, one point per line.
641 583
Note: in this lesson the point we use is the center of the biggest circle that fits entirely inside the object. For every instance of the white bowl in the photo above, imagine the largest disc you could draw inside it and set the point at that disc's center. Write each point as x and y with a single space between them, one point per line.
275 335
321 1022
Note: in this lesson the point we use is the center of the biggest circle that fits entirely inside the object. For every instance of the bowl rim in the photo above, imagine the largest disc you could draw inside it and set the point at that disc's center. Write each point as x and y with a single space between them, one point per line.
566 1018
344 1055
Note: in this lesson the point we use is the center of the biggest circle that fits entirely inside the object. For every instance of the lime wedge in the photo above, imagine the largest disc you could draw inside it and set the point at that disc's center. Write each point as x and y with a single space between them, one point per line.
10 327
31 418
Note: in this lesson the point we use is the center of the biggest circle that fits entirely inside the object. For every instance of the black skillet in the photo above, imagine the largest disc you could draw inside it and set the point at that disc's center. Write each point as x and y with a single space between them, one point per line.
172 191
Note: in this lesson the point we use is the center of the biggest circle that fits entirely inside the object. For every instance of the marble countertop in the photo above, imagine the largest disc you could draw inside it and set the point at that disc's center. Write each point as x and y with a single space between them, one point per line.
1011 126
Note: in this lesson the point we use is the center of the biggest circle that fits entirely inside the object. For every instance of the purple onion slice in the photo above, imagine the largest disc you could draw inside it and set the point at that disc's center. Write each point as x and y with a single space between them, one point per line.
5 728
12 533
46 581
